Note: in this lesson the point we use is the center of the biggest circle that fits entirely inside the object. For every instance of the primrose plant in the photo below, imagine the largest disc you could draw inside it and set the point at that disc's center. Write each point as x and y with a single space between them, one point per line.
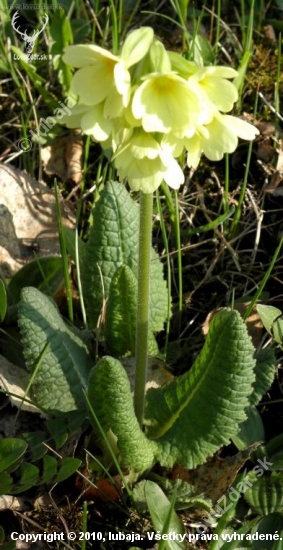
151 107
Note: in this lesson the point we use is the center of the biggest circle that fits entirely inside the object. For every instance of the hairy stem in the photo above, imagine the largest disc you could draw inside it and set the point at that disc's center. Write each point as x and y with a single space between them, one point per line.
145 231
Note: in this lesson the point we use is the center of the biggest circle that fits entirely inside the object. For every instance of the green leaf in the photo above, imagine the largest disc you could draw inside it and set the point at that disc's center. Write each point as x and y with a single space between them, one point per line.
164 518
6 483
49 469
3 300
265 369
270 317
35 443
29 476
11 451
192 416
64 426
268 314
271 524
63 366
274 451
68 467
201 50
110 397
251 430
45 274
113 241
266 493
121 312
186 495
229 513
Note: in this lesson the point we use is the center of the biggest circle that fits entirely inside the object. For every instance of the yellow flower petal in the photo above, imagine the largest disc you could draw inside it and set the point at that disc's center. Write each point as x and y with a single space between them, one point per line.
221 93
165 103
84 55
219 71
144 146
244 129
123 82
217 138
92 84
94 123
145 164
193 145
173 175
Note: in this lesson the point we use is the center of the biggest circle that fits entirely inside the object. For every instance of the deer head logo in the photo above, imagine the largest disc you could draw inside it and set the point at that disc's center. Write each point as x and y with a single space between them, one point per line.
29 40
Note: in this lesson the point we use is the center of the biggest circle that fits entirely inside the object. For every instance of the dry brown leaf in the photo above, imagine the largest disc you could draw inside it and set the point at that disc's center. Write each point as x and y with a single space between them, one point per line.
275 185
254 324
157 372
215 476
28 220
64 158
253 321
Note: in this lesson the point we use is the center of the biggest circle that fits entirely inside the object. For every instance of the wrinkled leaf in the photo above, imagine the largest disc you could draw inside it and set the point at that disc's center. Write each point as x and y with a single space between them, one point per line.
194 415
121 312
113 241
110 397
58 359
266 493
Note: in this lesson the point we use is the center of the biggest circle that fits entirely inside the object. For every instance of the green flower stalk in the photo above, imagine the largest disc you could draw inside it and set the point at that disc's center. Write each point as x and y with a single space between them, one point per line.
143 302
150 106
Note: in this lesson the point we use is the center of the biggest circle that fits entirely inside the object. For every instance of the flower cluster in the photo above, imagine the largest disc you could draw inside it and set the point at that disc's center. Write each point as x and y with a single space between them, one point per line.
150 105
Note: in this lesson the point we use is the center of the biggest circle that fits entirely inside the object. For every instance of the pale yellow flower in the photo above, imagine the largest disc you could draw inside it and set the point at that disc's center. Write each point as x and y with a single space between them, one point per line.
218 137
145 164
165 103
213 82
91 120
103 76
149 105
